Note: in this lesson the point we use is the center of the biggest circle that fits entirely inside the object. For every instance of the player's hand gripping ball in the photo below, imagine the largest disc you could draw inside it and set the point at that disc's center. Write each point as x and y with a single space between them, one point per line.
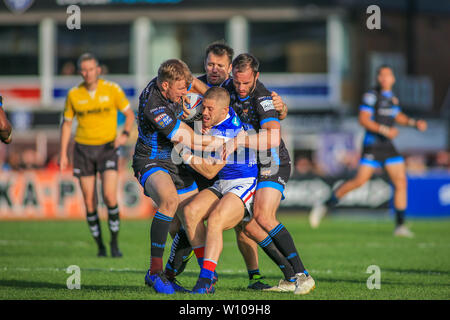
192 102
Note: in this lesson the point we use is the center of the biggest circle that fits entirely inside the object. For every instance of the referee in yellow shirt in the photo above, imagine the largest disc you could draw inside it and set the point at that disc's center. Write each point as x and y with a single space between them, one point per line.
94 103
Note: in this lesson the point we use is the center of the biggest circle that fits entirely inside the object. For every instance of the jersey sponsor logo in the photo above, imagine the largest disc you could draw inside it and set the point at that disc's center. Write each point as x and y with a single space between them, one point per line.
265 172
267 105
158 110
280 180
236 121
103 99
165 121
386 111
159 117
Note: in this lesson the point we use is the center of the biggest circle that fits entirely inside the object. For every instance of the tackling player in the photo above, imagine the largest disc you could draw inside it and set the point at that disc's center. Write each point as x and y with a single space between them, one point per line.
378 114
94 103
253 104
5 126
169 185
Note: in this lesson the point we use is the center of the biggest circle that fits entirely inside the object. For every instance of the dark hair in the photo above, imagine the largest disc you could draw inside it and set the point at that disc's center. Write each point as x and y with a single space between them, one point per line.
85 57
217 93
383 66
244 61
219 48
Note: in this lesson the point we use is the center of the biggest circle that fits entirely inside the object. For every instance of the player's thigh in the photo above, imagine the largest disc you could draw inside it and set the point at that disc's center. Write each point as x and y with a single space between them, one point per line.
266 202
364 173
160 188
397 173
228 212
199 207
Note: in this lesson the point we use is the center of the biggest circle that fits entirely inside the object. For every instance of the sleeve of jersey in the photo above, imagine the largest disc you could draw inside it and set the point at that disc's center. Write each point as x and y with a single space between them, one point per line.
266 110
69 112
396 110
369 100
164 120
122 102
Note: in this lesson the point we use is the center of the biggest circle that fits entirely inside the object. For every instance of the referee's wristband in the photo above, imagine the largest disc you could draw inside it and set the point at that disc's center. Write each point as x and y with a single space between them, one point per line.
125 132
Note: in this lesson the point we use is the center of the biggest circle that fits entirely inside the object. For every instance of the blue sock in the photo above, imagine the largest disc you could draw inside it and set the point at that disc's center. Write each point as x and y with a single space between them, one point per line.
252 273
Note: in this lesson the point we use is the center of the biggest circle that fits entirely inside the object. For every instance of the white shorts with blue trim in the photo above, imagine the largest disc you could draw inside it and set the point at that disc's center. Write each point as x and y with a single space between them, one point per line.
244 188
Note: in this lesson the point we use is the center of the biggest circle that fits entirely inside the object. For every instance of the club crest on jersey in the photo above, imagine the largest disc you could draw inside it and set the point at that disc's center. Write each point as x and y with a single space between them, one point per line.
159 117
18 6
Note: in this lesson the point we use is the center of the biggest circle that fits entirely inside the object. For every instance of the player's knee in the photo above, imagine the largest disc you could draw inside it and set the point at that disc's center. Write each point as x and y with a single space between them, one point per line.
169 206
215 222
110 200
400 183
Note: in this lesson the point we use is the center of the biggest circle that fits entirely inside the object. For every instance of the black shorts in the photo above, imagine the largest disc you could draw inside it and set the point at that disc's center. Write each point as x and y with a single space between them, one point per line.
380 154
202 182
274 177
88 159
181 176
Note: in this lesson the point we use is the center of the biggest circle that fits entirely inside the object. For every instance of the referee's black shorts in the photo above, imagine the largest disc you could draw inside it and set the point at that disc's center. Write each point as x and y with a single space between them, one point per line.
90 159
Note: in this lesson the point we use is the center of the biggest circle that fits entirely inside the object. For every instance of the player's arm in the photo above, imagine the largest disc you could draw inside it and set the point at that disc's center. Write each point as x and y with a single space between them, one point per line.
66 129
365 119
5 126
129 121
279 105
187 137
207 167
404 120
268 137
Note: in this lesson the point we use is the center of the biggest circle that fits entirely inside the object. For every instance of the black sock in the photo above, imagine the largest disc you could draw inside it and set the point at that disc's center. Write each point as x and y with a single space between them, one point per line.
284 242
158 237
181 249
332 201
114 223
94 226
399 217
271 250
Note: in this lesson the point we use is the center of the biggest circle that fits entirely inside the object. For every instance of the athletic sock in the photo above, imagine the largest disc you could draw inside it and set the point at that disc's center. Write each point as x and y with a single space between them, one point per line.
285 244
399 217
253 273
332 201
207 270
276 256
158 237
114 223
199 254
94 226
181 249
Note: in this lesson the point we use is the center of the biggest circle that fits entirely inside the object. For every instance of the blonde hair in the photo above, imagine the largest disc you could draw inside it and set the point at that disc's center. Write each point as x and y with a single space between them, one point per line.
174 70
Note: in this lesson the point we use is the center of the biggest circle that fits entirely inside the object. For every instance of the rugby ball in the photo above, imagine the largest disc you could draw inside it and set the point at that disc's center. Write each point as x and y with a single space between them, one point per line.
193 102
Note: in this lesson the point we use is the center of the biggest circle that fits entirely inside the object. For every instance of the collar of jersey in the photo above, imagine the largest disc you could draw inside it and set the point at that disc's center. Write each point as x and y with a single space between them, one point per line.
243 99
226 118
387 93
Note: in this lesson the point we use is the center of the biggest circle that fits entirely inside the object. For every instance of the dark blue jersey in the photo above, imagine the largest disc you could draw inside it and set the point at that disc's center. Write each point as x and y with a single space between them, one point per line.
257 109
383 109
157 120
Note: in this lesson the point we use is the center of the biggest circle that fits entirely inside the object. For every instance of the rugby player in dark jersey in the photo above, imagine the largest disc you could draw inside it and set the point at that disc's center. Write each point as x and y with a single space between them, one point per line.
378 114
168 184
253 103
5 126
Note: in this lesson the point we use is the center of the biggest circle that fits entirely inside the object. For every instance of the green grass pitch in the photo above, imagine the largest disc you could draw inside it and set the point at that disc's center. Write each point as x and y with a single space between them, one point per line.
34 257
